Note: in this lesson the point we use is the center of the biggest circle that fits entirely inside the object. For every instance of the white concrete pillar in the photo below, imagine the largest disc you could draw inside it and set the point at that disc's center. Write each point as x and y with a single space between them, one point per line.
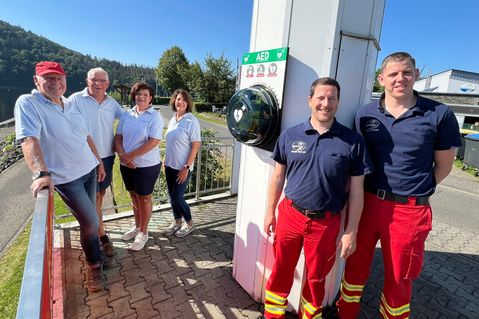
335 38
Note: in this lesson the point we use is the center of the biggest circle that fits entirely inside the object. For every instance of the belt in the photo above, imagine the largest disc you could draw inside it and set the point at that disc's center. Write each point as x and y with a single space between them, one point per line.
313 214
384 195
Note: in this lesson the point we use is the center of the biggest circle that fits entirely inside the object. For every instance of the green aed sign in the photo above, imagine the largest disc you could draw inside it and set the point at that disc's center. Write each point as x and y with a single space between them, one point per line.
273 55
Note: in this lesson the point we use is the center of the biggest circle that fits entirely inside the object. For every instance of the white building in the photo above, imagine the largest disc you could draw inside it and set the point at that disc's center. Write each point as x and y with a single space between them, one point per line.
450 81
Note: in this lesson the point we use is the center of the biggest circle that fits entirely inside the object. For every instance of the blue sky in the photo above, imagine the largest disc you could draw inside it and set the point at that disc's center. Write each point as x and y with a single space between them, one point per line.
440 34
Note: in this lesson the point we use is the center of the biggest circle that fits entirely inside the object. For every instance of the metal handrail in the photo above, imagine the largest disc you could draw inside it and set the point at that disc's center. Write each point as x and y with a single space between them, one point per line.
36 293
7 123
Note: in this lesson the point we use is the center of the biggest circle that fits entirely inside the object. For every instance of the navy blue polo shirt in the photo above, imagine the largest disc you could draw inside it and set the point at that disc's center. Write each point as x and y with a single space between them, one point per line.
318 166
402 149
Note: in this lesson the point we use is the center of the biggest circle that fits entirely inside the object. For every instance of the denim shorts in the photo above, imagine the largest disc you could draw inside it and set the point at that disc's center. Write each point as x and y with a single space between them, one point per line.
140 180
108 164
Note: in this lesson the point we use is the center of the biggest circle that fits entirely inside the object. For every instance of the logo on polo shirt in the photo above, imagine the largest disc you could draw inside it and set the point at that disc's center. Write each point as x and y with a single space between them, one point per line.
371 126
298 147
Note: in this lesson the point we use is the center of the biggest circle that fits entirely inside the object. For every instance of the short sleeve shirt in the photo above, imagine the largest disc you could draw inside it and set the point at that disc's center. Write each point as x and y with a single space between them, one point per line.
318 166
402 149
179 136
137 130
99 118
61 133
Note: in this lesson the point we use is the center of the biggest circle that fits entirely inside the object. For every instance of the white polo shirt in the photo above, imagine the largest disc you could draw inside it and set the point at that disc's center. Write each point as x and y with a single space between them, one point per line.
61 132
137 129
99 119
179 136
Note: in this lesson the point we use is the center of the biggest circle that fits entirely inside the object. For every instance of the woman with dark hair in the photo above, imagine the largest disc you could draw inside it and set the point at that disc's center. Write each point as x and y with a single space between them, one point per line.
136 142
183 140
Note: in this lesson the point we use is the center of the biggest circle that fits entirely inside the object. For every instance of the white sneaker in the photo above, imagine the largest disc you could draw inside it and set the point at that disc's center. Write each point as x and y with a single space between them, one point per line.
140 241
131 233
184 230
173 228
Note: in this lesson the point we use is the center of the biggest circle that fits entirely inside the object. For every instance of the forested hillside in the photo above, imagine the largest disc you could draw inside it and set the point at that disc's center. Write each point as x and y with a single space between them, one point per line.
20 50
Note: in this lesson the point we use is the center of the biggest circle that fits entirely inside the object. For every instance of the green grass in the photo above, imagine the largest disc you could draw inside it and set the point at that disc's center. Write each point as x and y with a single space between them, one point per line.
471 170
122 197
11 273
211 117
61 209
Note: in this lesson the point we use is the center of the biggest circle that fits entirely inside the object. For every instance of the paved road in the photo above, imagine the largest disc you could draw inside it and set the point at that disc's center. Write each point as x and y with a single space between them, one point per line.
456 201
16 201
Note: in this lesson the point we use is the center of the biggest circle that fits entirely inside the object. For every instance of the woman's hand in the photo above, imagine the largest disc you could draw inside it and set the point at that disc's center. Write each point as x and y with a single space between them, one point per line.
127 160
182 175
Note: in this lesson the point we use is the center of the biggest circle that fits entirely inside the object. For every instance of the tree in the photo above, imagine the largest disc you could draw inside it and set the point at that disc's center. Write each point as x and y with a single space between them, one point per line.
194 79
20 50
219 80
377 87
171 69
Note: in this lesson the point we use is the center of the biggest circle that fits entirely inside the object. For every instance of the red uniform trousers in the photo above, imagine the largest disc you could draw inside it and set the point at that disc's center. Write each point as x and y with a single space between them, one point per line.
318 236
402 230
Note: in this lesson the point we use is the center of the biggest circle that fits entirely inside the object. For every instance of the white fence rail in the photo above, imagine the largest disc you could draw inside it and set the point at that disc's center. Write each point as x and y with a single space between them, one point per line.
213 173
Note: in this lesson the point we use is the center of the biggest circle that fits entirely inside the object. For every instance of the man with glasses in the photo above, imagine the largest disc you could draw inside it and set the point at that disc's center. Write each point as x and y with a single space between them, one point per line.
62 155
100 111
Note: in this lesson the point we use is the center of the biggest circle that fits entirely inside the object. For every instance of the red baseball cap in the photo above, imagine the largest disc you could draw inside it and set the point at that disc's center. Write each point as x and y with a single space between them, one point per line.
46 67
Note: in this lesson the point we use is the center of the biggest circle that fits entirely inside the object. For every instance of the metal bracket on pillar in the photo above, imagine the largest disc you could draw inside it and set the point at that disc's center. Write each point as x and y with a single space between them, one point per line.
364 37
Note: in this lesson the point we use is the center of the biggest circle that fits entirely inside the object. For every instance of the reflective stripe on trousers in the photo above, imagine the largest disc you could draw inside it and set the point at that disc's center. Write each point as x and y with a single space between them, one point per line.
402 230
294 232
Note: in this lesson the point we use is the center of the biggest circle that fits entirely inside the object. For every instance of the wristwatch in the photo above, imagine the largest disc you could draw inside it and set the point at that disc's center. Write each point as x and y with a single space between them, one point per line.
187 166
40 174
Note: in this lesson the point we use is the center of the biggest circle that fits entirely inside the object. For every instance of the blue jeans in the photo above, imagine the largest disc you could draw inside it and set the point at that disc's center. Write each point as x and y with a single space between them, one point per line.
80 196
177 191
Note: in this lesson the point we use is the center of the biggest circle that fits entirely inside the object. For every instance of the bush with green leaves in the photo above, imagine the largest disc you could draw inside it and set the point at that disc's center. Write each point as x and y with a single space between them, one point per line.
211 164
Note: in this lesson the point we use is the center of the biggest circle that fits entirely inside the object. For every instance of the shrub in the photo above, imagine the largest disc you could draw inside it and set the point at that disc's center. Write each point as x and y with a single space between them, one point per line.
211 166
161 100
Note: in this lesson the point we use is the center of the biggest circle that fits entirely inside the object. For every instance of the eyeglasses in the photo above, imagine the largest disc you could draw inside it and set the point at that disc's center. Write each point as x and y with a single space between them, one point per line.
102 81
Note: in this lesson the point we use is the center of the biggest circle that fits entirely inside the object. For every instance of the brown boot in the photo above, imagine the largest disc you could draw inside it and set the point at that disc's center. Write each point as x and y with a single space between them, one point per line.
108 249
95 277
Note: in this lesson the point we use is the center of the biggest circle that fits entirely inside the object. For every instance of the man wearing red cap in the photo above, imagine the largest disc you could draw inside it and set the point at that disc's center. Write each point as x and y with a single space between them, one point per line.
62 156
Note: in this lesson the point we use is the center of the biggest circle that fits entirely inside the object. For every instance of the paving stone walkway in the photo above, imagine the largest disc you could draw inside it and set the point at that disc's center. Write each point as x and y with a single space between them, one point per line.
192 277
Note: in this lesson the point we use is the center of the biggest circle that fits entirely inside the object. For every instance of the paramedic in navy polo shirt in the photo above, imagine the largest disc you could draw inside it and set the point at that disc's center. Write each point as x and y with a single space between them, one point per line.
322 160
411 141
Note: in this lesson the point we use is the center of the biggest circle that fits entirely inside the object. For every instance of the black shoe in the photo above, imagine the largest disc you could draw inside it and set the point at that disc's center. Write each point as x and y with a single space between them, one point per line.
330 312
